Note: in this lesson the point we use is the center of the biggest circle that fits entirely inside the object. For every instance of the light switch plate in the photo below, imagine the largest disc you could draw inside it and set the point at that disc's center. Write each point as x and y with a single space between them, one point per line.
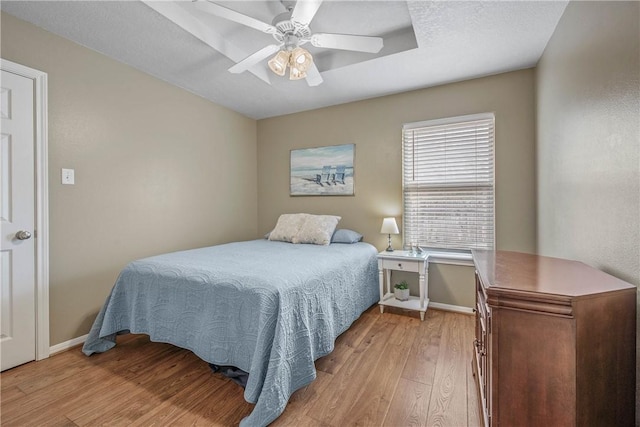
68 176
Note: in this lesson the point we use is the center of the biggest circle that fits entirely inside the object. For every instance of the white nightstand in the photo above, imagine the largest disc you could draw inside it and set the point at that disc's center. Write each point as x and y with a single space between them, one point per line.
403 261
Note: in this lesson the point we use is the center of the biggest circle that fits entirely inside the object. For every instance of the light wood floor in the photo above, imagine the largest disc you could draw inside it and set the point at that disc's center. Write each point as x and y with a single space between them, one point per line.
388 369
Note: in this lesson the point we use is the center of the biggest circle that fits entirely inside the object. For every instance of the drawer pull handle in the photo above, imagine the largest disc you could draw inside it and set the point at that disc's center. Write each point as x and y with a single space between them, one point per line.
399 265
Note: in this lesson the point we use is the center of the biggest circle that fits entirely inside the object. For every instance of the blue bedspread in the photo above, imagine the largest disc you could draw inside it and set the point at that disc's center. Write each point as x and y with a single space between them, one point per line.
268 308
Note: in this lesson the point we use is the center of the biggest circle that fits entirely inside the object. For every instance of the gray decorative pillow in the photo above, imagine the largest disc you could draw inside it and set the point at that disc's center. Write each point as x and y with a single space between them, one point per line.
344 235
317 229
287 227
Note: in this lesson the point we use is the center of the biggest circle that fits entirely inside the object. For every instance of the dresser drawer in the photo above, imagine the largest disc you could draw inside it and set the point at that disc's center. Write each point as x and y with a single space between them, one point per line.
394 264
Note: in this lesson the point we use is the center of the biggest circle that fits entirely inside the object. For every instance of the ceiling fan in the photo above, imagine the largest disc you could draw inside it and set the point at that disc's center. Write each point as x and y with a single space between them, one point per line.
291 30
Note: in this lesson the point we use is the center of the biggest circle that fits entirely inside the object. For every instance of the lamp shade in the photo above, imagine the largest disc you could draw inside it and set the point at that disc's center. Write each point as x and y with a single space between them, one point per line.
299 61
296 73
301 58
389 226
278 63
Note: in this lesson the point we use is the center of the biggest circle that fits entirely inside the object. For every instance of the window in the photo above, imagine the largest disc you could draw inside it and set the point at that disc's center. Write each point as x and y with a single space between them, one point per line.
448 182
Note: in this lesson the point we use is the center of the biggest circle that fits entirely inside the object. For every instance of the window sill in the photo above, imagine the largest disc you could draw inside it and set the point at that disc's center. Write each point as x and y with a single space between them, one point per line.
442 256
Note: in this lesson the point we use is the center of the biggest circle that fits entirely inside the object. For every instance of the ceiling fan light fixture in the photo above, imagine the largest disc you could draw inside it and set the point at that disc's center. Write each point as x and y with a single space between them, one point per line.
299 63
298 60
278 64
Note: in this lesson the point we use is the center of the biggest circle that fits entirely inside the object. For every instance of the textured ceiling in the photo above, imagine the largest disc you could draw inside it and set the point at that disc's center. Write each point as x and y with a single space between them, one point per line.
427 43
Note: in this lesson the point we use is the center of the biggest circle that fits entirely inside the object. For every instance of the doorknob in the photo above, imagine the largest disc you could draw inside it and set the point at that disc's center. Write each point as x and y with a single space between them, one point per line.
23 235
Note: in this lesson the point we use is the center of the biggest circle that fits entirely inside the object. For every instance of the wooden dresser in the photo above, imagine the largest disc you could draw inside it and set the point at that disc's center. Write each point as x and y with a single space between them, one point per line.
555 342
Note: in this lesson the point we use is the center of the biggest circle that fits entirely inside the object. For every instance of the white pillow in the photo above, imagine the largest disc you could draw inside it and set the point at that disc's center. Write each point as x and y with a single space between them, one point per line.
287 227
316 229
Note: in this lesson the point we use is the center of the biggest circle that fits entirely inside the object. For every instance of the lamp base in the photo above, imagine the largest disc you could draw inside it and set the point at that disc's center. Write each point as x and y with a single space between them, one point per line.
389 248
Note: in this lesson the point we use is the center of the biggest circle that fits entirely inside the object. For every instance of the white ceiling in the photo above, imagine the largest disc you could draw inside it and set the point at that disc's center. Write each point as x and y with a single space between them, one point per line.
427 43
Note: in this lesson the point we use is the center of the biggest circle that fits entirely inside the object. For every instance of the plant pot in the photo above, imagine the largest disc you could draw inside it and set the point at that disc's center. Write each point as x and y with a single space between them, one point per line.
401 294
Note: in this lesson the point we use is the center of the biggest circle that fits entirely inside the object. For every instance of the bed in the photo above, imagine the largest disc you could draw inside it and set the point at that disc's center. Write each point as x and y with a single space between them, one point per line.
269 308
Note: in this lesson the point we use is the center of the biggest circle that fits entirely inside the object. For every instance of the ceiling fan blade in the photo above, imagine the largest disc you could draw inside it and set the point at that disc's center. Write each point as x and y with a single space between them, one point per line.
181 17
254 58
313 75
305 10
347 42
232 15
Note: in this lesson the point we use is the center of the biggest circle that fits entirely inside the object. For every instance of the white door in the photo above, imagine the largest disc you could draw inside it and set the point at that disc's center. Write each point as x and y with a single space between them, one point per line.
17 212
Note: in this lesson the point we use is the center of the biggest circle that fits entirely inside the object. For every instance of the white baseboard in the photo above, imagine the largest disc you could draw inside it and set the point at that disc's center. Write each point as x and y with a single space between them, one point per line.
449 307
67 345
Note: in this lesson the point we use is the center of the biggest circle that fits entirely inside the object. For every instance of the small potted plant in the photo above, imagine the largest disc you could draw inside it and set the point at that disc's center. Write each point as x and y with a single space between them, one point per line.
401 291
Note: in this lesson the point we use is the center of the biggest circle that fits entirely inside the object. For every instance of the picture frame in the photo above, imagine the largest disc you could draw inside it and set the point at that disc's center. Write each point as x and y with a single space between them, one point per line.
322 171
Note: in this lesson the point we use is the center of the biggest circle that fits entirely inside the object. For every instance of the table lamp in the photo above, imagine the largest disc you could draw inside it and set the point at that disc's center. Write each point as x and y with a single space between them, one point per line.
389 227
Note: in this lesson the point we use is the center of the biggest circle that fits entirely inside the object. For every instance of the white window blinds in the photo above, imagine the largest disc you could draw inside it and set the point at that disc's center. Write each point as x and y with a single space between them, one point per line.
448 182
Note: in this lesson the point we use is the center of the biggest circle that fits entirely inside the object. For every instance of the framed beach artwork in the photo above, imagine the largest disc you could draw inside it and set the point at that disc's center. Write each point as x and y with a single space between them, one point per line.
323 171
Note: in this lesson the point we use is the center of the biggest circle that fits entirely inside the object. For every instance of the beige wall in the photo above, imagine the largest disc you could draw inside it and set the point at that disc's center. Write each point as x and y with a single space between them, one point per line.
157 169
375 125
589 140
448 284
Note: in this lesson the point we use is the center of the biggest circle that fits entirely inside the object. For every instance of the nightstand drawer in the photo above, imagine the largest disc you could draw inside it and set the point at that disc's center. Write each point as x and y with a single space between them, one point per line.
394 264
